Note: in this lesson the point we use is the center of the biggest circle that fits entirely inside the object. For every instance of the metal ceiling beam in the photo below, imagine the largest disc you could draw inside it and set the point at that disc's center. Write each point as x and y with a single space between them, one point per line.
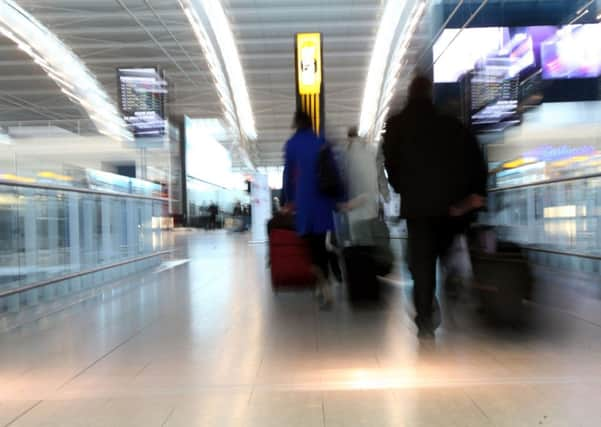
285 27
236 12
282 43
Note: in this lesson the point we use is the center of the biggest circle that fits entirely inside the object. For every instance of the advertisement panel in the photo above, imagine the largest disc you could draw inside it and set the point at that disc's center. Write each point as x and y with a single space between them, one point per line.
568 52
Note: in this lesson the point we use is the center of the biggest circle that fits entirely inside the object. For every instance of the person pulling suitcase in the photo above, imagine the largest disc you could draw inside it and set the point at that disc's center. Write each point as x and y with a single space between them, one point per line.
304 157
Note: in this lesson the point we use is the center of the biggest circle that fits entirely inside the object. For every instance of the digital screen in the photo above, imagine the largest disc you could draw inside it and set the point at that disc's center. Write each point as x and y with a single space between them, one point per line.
571 51
142 93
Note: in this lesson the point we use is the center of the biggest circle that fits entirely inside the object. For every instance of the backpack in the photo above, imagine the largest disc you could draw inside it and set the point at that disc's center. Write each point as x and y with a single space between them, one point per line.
328 176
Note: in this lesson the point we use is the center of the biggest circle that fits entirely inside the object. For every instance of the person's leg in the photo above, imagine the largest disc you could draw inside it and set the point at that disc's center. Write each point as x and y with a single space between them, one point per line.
333 257
335 266
320 257
422 258
448 230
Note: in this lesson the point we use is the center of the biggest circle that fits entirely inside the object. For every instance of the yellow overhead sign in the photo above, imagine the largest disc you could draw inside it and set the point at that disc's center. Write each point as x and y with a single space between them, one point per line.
308 54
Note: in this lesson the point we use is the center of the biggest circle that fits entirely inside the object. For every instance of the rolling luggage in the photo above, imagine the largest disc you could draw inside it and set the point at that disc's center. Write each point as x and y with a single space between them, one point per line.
282 222
290 259
361 279
366 254
502 280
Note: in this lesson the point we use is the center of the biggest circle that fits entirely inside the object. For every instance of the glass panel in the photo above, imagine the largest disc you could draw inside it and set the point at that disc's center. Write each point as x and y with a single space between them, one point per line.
10 240
46 233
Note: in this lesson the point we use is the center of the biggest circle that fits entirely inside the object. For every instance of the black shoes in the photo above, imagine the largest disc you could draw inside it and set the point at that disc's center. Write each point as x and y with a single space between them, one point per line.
427 326
425 334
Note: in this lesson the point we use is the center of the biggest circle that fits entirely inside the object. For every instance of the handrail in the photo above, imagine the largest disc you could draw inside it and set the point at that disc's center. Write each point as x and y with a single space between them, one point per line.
47 282
539 249
545 182
10 183
563 253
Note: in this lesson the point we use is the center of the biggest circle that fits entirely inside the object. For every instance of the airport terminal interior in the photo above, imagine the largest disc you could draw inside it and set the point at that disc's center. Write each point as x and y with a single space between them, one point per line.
155 269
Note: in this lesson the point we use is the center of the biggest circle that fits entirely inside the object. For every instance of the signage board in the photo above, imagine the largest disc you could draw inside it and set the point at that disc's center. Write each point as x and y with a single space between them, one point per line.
142 94
309 78
308 54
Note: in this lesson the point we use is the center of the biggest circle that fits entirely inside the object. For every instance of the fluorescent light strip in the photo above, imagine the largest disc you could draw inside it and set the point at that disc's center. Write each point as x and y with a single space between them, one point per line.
583 8
580 15
375 76
62 66
383 74
227 72
225 39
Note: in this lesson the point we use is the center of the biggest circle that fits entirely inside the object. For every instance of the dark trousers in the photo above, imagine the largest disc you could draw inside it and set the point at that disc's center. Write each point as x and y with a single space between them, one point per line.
429 239
212 222
335 266
319 253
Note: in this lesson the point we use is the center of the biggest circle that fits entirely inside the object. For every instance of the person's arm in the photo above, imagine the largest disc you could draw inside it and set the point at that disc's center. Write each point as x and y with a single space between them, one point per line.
391 152
356 202
477 176
478 166
382 182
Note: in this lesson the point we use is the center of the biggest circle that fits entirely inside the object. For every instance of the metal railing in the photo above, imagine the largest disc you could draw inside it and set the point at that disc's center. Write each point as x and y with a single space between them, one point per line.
53 233
54 187
65 277
545 182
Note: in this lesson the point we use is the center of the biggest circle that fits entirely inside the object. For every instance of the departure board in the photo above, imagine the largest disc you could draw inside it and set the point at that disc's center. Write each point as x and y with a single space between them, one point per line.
142 95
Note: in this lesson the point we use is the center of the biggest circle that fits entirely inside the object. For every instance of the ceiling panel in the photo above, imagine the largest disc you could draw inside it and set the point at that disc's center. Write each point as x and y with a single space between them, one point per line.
112 33
265 31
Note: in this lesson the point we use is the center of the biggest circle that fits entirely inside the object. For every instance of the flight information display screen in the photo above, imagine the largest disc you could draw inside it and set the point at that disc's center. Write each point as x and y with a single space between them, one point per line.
142 96
508 67
567 52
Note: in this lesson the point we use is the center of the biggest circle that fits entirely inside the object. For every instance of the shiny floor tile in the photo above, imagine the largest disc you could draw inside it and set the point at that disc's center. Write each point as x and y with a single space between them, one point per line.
207 343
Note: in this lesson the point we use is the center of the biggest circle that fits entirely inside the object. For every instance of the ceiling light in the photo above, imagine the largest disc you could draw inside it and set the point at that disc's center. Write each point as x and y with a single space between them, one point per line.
391 15
580 15
386 60
61 65
223 61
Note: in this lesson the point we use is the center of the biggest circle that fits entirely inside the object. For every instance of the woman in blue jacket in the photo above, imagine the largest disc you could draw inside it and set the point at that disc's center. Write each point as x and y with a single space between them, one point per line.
301 189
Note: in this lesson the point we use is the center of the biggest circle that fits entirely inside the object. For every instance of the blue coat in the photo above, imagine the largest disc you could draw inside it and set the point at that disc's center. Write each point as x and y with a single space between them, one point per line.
313 210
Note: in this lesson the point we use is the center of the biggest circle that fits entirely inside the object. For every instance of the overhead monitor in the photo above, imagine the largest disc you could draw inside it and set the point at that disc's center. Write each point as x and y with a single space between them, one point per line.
568 52
142 96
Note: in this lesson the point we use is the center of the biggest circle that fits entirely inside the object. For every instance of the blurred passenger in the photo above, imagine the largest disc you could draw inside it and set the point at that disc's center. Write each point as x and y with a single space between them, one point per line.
436 165
313 209
238 209
275 205
247 211
365 179
213 213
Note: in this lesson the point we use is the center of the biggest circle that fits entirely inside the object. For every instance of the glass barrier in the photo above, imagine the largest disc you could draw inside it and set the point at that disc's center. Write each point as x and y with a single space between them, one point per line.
74 176
563 215
50 233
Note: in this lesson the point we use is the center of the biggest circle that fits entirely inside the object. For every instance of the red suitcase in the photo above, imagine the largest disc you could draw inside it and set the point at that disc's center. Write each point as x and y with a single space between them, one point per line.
290 260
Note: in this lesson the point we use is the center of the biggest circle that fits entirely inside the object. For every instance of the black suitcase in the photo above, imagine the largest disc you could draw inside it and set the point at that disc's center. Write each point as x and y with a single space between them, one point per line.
361 274
502 281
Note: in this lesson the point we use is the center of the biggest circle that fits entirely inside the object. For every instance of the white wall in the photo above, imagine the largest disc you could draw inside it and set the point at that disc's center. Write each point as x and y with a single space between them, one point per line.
53 152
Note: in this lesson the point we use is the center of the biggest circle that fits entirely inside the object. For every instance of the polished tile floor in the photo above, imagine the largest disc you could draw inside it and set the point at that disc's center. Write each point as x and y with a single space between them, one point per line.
206 343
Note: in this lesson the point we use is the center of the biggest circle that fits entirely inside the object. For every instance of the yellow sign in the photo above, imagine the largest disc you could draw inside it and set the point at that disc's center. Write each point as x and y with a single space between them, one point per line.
308 53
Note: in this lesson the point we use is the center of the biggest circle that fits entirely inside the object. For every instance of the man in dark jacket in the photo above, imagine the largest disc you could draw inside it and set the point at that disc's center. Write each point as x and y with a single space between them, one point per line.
436 165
